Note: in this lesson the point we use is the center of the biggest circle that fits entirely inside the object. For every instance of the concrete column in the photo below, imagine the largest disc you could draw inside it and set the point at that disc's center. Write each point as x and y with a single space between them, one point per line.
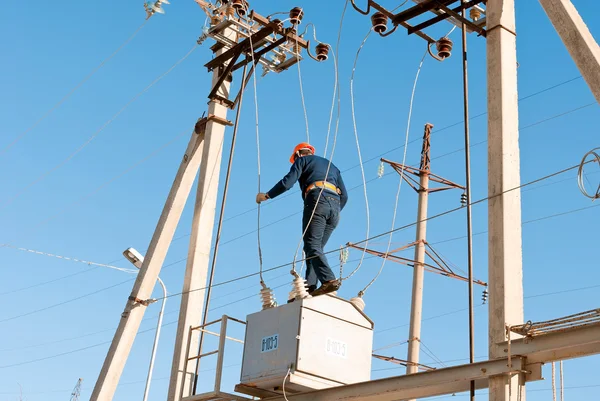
416 311
131 317
196 272
577 38
504 210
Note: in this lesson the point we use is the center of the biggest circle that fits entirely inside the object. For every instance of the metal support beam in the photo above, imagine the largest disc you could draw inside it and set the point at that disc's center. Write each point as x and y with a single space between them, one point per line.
196 271
419 385
557 346
443 16
131 317
505 264
577 38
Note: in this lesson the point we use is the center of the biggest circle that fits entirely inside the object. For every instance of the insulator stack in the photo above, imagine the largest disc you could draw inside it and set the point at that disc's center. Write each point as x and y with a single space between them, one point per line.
296 15
230 11
379 22
380 170
281 57
475 14
294 46
344 253
484 296
299 290
322 51
267 297
215 19
358 302
444 47
463 199
241 7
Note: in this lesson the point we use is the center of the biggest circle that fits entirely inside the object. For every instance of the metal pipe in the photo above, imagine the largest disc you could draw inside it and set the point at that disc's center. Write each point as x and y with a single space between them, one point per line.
219 226
468 192
156 337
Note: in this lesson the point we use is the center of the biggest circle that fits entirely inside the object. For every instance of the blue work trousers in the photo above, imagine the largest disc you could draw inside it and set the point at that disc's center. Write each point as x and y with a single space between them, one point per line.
325 219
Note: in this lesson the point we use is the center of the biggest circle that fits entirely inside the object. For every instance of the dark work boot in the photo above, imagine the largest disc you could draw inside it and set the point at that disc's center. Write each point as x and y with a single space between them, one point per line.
327 287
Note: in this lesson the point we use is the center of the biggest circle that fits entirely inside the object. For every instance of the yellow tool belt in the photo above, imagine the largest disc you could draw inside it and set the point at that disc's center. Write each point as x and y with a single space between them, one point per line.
321 184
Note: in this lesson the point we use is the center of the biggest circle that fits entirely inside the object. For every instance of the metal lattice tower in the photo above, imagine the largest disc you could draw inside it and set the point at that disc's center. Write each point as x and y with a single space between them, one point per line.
76 393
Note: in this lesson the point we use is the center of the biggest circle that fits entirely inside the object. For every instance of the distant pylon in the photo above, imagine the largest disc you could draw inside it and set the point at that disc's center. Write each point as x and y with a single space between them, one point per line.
76 393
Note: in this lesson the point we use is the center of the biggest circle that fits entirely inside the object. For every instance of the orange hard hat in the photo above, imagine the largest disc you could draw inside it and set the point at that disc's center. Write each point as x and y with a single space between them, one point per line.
299 147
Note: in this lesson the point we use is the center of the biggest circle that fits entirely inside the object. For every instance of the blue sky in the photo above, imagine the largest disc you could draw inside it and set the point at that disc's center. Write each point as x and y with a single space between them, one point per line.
109 196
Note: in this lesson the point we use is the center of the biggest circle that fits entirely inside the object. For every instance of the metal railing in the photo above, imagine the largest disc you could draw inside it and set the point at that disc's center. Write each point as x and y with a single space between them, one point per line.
220 352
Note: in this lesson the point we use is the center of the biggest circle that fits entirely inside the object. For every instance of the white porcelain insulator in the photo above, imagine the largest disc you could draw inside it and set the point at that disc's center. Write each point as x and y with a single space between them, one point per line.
358 302
299 290
268 299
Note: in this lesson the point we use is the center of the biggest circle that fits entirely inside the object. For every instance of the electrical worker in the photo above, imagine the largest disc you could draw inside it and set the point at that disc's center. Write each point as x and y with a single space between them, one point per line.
311 171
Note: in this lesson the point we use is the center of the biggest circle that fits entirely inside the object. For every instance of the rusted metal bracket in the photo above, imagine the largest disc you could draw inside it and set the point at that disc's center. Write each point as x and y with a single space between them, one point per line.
144 302
200 126
402 362
444 16
439 7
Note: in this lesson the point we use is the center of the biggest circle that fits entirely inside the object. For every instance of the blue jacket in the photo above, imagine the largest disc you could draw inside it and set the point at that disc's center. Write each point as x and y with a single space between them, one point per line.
307 170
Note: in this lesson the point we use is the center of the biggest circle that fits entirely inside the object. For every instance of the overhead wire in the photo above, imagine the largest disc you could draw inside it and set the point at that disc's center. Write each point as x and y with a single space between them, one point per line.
437 131
410 109
73 90
335 84
96 133
293 271
260 258
63 302
240 300
297 52
407 225
360 160
86 262
14 291
291 193
94 191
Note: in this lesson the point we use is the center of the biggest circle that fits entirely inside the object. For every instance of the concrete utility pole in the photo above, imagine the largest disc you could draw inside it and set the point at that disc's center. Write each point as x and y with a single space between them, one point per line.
577 38
505 268
416 310
196 271
136 304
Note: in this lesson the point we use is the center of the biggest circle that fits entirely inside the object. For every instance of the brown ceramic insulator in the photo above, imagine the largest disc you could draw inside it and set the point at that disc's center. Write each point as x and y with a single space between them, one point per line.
296 15
241 7
444 47
379 22
475 14
322 51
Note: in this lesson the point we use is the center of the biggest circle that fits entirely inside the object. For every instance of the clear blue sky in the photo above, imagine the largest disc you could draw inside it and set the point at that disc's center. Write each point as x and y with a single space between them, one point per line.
49 47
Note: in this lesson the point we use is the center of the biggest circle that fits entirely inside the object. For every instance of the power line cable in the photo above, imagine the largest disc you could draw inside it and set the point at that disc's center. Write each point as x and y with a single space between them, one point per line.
47 282
360 160
95 134
470 119
91 193
68 95
63 302
400 147
410 109
333 146
86 262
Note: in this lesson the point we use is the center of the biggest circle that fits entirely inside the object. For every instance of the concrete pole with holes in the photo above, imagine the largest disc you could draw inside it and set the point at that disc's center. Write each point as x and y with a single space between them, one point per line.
196 271
505 265
578 40
136 304
416 310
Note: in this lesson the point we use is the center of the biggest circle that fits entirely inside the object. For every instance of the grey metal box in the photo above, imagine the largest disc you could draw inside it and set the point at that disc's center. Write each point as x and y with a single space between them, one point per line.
324 342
